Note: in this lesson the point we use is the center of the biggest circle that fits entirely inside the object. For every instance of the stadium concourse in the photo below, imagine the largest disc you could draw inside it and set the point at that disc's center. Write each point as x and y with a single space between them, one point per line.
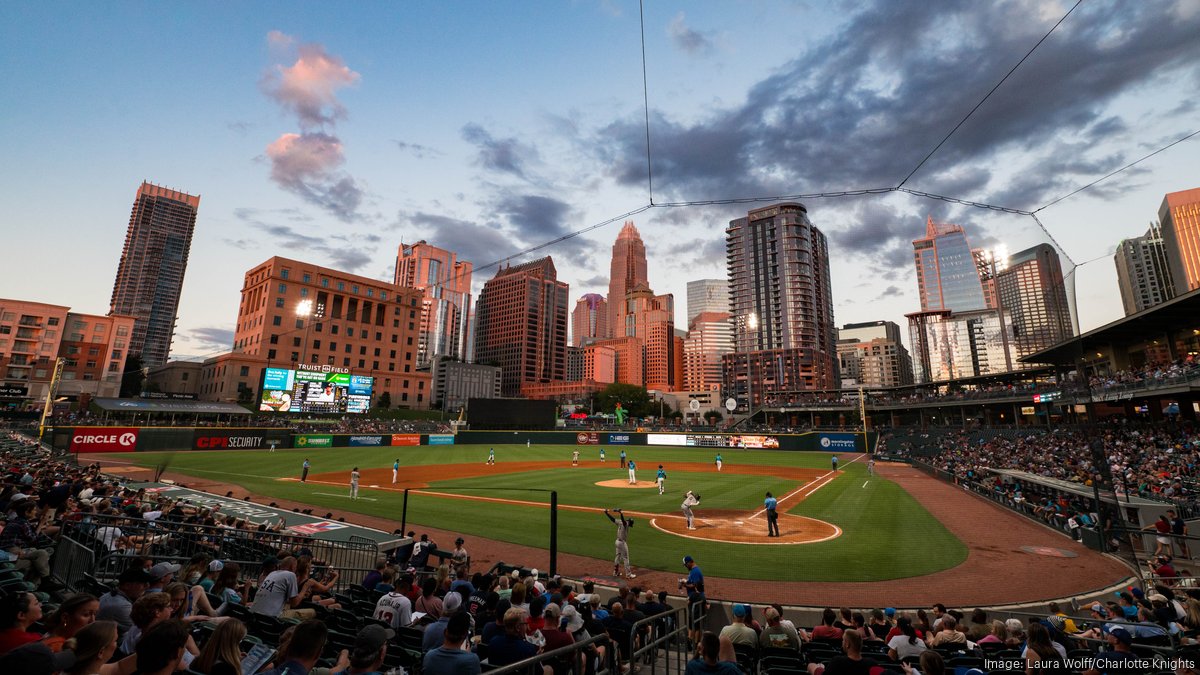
182 586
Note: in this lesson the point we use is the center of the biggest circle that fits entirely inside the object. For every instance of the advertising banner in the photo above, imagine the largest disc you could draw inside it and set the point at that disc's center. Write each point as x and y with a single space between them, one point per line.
441 439
406 439
104 439
368 441
618 439
314 441
585 438
759 441
239 439
13 391
666 439
838 442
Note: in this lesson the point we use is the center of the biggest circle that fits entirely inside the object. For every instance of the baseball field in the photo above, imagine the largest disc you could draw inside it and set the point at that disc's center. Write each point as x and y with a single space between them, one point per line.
842 526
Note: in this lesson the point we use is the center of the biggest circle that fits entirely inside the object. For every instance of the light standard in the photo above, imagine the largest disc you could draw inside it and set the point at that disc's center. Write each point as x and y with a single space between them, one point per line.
307 310
748 323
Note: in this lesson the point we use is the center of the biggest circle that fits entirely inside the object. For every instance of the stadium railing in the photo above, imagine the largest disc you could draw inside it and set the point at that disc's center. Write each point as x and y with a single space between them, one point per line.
569 659
83 553
668 632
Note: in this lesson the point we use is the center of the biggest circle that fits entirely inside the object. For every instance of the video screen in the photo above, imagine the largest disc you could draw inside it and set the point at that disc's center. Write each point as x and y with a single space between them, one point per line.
304 391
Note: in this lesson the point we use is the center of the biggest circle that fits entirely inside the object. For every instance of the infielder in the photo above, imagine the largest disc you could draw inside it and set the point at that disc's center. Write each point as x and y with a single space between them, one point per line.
491 456
601 454
395 470
632 473
575 458
871 466
622 546
354 483
690 500
661 479
719 461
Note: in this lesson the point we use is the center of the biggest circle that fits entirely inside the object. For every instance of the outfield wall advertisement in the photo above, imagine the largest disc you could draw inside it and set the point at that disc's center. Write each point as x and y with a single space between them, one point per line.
839 442
106 439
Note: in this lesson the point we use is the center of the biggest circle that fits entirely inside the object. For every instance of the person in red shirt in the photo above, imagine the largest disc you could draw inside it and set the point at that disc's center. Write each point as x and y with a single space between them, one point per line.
18 612
827 631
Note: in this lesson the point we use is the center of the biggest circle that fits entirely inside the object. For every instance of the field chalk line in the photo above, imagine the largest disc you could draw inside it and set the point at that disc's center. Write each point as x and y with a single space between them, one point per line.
808 487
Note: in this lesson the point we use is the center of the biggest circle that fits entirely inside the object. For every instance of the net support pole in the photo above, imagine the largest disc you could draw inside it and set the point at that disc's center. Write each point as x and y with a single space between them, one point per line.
404 514
553 533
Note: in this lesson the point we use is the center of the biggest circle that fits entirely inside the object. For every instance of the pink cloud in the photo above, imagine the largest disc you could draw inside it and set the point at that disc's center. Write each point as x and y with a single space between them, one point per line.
307 165
309 86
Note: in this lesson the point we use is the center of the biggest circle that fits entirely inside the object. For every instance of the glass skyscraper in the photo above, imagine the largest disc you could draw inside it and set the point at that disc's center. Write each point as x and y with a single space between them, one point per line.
947 274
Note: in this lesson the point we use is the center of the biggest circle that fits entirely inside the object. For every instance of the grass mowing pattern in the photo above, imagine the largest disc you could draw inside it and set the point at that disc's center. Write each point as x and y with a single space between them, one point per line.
886 533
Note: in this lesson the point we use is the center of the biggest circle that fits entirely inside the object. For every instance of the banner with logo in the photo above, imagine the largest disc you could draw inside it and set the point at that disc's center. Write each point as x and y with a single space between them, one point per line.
240 439
666 439
618 439
839 442
586 438
441 439
369 441
314 441
13 391
406 439
104 439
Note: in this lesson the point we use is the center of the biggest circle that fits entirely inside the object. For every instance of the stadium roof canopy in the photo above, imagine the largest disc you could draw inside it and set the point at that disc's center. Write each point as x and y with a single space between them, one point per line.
1181 313
139 405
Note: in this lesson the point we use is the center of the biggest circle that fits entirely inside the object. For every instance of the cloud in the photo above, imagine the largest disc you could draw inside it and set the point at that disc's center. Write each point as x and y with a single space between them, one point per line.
697 253
309 86
308 165
892 291
473 242
342 252
417 150
505 155
210 337
598 281
686 38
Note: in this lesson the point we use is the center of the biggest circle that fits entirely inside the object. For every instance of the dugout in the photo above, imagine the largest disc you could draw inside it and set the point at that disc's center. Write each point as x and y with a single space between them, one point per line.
519 414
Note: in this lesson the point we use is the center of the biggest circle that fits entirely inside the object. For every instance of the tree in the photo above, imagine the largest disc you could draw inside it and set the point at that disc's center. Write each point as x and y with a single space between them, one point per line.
385 400
634 399
713 416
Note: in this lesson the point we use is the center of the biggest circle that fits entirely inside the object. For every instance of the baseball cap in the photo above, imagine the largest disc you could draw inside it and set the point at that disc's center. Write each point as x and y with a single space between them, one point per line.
216 566
739 611
135 575
574 621
459 540
36 659
687 559
1121 634
552 608
372 638
533 573
890 611
1156 597
162 569
1097 607
451 602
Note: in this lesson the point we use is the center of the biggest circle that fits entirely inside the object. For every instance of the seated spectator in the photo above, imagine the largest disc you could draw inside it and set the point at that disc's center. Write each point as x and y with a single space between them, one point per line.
210 577
370 648
394 608
385 581
162 574
20 538
949 634
227 586
738 632
434 631
997 635
279 594
978 626
18 611
75 612
196 569
300 648
312 589
931 663
1041 653
553 629
222 654
1016 633
826 630
850 662
376 575
775 634
148 610
511 646
907 643
490 630
1119 656
714 655
429 603
117 604
450 658
36 658
188 605
95 645
162 651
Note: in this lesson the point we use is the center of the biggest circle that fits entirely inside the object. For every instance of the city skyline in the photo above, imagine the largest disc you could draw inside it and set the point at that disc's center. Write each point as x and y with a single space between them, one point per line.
325 144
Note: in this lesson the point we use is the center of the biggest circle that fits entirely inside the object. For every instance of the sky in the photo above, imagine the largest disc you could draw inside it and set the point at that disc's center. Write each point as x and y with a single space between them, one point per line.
333 132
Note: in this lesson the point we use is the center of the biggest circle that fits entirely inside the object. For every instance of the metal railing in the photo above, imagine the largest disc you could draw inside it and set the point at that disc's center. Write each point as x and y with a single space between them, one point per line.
573 658
667 632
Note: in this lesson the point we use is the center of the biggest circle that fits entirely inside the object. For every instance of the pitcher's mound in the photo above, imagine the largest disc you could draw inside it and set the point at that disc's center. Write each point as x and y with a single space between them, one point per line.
747 527
624 483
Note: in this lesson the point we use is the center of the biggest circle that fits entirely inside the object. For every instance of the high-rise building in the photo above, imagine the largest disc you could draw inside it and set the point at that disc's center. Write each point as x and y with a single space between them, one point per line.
651 319
1034 295
630 359
445 283
1179 218
521 325
627 271
455 382
589 320
294 312
782 305
872 355
153 262
948 270
707 295
952 345
1143 274
709 338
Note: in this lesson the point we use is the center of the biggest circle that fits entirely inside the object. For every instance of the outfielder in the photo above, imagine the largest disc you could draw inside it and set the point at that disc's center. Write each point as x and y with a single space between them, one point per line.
661 479
690 500
491 456
354 483
719 461
871 466
395 470
632 473
622 556
601 454
575 458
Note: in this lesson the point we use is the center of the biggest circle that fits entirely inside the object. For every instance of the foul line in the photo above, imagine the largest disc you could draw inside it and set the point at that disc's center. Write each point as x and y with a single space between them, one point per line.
807 487
330 494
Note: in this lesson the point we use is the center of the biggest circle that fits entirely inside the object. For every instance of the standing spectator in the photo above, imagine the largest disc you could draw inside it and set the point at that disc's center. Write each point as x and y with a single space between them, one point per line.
738 632
697 600
460 561
450 658
1162 535
1179 531
18 611
420 554
222 652
279 594
75 612
117 604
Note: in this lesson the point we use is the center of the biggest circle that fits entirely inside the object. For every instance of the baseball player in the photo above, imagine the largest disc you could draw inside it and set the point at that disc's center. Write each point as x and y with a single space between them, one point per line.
871 466
689 500
354 483
491 456
661 479
575 458
601 454
632 473
395 470
719 461
622 459
622 556
304 471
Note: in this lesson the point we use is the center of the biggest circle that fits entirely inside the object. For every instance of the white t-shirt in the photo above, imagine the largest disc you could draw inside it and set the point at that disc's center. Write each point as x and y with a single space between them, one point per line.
110 536
394 608
904 649
274 592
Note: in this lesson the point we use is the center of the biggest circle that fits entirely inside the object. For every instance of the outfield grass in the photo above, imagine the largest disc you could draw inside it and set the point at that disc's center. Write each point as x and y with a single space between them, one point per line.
886 533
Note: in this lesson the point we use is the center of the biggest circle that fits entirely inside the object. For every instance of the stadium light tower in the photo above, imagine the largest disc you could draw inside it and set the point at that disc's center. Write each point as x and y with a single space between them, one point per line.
748 323
308 311
997 258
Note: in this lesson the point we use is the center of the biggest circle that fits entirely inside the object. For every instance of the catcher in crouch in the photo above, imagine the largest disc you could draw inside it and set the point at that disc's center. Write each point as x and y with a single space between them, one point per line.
690 500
